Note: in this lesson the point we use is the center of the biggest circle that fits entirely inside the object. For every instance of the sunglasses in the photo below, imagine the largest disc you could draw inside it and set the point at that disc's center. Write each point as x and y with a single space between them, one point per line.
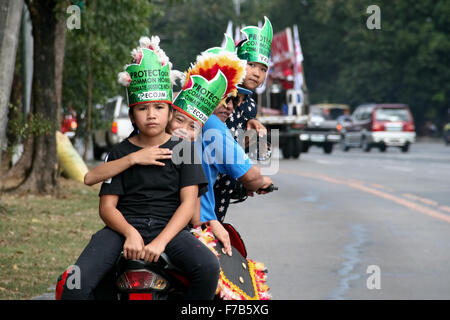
235 100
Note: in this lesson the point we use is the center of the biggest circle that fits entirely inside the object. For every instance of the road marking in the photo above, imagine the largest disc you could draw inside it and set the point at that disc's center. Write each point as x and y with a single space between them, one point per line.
359 185
329 162
424 200
445 208
402 169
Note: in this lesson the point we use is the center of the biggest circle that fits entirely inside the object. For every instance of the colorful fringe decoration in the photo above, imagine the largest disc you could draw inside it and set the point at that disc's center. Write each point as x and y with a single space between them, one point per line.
208 64
227 290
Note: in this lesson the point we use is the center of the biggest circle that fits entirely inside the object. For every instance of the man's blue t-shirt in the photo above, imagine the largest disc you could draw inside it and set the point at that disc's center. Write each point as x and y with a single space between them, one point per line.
221 154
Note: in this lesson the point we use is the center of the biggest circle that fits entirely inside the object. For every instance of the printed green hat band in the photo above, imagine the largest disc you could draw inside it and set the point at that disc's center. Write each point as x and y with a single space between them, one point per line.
201 97
256 47
153 101
150 81
187 114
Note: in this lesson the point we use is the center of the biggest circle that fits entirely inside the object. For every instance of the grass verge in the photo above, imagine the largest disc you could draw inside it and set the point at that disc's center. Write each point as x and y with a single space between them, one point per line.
40 236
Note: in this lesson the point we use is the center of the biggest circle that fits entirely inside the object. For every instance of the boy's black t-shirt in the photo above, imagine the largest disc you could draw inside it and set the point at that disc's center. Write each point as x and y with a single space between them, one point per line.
153 190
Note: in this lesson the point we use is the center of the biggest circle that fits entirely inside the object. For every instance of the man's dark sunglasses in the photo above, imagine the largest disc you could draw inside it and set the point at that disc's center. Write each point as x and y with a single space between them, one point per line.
234 99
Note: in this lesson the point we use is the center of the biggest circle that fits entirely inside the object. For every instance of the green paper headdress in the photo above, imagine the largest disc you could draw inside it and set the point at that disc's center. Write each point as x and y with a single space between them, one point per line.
148 78
208 82
256 48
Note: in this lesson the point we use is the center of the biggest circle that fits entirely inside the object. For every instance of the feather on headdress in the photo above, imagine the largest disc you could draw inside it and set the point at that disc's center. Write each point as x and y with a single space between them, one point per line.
151 68
208 64
211 79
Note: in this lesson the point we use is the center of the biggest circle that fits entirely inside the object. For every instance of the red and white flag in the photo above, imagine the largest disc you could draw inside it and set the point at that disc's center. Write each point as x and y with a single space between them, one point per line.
298 78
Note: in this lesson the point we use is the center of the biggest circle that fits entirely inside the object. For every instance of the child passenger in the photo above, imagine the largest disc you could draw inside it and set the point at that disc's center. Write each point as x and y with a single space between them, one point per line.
146 208
192 116
185 124
256 53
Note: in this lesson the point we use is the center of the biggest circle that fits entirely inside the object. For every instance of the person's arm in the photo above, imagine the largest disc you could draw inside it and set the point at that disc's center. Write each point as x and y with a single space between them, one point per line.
113 218
145 156
254 127
252 180
254 124
196 221
221 234
241 168
108 170
179 220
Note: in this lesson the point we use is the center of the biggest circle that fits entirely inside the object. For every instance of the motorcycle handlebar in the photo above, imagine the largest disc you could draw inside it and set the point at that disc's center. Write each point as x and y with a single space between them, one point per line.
270 188
240 194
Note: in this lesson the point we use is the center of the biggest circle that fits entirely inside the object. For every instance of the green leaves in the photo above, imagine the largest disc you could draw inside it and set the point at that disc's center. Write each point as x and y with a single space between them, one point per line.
405 61
109 31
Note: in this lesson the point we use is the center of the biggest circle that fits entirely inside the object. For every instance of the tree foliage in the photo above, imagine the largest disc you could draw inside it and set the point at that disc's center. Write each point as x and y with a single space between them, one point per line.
404 61
109 30
187 28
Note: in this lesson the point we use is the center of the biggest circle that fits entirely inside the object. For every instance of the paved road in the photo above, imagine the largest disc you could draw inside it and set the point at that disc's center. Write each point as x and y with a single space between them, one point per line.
341 222
338 216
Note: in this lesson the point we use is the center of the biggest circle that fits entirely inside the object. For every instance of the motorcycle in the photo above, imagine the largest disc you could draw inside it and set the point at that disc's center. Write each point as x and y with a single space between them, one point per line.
241 278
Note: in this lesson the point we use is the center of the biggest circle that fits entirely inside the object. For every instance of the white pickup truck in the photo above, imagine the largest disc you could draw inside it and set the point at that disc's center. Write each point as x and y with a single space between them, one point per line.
116 126
322 127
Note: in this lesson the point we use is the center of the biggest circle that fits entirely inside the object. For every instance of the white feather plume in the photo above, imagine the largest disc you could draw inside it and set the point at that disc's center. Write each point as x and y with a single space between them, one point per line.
124 78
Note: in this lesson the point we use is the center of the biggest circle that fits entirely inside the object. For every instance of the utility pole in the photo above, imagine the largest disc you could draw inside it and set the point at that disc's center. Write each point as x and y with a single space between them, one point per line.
237 7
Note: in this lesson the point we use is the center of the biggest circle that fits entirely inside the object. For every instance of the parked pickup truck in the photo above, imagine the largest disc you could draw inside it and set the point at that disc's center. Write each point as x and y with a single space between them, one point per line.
117 126
321 129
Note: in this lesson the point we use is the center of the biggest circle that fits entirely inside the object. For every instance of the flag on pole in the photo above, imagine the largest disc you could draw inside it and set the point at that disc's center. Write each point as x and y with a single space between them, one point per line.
238 36
298 77
228 32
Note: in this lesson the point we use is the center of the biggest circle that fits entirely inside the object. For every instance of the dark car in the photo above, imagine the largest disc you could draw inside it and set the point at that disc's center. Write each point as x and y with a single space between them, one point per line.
379 125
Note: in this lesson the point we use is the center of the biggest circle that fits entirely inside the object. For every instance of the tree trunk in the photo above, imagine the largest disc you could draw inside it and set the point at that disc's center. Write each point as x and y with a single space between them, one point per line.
60 42
89 105
89 84
10 17
11 137
44 174
20 170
